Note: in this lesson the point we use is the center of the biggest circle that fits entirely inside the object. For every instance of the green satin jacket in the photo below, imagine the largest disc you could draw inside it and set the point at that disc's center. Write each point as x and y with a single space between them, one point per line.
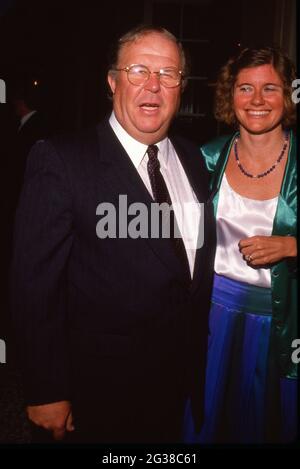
284 272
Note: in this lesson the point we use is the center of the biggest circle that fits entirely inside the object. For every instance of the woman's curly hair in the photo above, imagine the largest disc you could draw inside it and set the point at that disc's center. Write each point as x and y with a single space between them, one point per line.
254 57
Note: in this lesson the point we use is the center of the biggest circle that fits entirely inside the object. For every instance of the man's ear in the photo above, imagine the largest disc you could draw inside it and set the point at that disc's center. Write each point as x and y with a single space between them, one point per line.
111 79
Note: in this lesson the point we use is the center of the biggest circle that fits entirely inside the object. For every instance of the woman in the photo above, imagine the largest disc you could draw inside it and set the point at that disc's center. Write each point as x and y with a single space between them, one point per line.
251 378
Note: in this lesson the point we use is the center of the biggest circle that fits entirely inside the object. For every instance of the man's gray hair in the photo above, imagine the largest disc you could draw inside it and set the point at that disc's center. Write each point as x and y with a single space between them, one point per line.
139 32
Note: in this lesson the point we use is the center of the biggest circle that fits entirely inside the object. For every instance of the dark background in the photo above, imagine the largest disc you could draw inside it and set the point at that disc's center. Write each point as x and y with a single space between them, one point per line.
63 46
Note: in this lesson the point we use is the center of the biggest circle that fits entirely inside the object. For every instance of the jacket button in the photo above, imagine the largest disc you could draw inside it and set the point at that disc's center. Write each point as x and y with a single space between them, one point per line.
275 273
277 302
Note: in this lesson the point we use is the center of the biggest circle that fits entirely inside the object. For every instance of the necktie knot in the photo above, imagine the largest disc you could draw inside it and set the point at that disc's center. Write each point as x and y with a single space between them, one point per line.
152 151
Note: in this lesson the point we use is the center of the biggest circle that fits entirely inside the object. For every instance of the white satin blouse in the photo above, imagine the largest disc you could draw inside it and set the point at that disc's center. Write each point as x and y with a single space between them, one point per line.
239 217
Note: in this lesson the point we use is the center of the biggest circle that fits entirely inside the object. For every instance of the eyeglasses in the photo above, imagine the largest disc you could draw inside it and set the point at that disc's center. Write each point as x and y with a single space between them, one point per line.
140 74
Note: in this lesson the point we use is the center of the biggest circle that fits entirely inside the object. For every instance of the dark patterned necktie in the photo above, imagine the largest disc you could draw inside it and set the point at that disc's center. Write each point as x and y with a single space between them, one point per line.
161 195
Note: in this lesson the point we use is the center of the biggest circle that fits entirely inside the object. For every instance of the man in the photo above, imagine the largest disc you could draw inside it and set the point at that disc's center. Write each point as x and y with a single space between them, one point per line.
31 128
113 329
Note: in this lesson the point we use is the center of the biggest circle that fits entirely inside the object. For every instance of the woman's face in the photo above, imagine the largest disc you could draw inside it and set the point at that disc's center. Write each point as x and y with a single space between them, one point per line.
258 100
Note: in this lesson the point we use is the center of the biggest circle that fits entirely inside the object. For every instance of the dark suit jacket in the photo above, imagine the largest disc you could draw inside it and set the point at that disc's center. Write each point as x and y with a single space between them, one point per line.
113 325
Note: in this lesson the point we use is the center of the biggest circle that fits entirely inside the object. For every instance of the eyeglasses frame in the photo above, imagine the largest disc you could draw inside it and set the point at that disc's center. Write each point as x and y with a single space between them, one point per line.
127 69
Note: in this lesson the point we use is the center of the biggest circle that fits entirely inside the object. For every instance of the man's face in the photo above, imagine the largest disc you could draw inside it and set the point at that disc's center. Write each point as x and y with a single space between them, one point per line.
146 111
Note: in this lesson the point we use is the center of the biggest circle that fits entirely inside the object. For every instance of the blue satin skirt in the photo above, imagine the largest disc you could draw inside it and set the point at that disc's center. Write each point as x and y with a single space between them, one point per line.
246 401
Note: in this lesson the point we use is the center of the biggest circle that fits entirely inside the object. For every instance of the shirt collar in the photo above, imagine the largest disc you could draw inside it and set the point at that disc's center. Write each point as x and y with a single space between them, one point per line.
25 118
135 149
163 147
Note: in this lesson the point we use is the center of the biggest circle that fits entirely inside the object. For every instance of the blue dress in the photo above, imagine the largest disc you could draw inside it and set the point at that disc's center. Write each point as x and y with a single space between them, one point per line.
246 401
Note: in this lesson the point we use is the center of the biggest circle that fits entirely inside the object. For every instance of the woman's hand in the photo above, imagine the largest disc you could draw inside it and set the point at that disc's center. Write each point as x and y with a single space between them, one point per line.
263 250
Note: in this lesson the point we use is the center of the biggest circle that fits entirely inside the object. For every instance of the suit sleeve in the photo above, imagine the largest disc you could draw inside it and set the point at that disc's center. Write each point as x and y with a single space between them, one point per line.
42 244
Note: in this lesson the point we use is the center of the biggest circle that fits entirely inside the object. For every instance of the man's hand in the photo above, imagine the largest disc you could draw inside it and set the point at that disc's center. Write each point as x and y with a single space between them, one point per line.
264 250
55 417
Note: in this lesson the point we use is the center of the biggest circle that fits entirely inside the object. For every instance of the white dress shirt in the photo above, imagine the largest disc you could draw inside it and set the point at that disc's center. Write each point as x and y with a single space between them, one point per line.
185 204
239 217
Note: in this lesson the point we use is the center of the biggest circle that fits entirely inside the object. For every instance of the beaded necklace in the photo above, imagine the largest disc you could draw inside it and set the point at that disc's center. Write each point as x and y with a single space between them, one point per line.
268 171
